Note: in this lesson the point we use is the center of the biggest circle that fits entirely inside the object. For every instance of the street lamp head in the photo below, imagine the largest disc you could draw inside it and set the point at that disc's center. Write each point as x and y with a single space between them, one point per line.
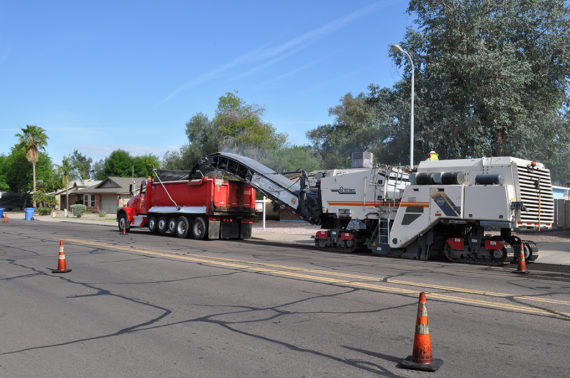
397 49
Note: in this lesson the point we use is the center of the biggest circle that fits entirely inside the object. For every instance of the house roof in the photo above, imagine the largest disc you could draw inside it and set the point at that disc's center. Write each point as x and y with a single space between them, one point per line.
76 185
560 188
113 185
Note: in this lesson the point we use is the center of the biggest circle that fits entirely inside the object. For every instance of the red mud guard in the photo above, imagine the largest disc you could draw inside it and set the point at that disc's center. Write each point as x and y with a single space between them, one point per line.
322 234
457 244
491 245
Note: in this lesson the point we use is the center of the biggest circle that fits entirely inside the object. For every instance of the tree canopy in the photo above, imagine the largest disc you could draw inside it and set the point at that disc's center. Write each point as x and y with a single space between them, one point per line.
121 164
491 78
81 165
240 128
18 175
236 126
31 140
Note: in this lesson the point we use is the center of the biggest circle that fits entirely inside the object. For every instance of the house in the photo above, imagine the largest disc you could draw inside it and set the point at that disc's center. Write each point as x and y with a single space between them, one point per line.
110 194
72 192
560 192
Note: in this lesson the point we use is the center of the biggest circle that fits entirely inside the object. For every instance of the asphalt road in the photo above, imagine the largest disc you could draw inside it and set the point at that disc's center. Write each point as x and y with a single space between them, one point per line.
143 305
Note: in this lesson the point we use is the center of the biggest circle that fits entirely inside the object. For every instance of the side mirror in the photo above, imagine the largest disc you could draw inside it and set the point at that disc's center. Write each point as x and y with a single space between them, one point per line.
131 189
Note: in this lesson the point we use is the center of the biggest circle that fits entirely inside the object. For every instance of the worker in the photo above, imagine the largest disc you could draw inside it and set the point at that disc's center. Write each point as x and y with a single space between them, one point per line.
433 156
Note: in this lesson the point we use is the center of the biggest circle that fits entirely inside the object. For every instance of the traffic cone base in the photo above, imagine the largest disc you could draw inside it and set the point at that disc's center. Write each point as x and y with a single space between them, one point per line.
61 263
61 271
408 363
520 271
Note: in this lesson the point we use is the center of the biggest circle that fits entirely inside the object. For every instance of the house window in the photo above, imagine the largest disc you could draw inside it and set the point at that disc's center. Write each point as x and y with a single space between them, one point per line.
86 199
92 200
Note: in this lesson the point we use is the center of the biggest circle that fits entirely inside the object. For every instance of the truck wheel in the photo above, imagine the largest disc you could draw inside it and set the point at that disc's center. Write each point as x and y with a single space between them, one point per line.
152 225
182 227
172 225
199 228
123 222
162 225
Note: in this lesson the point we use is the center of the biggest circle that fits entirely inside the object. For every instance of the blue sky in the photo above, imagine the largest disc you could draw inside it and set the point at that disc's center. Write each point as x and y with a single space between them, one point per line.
104 75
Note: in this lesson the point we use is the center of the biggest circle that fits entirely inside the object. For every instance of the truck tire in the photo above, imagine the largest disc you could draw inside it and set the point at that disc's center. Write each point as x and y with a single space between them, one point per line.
199 229
162 225
123 222
183 227
172 225
153 225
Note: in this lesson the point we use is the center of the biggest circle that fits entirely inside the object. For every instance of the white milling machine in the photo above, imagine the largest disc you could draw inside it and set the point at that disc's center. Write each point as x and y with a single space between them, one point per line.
444 208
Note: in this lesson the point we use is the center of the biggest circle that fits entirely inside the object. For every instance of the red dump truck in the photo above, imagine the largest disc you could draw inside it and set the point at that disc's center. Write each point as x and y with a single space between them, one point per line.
203 208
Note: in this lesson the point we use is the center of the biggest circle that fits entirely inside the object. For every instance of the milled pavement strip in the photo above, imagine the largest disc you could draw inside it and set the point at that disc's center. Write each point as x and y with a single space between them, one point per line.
397 282
239 264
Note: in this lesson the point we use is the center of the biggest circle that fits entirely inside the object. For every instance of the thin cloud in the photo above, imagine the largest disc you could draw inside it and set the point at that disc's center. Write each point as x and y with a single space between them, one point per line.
209 75
318 86
298 69
96 129
277 53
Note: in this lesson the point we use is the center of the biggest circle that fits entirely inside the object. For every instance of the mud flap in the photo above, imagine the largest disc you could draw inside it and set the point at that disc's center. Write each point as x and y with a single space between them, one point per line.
245 228
229 230
213 229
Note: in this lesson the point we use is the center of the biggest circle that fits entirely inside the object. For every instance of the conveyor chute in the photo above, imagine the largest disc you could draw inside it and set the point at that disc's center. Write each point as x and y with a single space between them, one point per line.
295 196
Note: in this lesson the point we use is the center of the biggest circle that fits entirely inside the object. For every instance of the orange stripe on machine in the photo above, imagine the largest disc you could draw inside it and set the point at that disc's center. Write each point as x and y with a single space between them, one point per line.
360 203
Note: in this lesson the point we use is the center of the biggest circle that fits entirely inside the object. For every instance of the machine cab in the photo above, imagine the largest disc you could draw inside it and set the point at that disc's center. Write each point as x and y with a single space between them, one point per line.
138 201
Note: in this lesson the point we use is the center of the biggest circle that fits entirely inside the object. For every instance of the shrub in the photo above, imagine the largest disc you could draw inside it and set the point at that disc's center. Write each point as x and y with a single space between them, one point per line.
102 214
47 200
78 209
44 210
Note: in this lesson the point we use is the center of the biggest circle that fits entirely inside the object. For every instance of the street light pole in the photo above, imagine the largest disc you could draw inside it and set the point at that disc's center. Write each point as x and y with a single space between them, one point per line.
398 49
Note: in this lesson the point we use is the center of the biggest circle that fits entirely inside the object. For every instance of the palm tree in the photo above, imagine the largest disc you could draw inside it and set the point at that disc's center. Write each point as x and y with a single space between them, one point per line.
31 140
67 171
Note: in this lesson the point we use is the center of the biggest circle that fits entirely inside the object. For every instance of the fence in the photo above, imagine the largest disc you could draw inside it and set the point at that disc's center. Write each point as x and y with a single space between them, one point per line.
561 213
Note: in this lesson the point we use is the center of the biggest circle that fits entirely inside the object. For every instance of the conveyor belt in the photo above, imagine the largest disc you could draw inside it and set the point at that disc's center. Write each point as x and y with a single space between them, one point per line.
296 197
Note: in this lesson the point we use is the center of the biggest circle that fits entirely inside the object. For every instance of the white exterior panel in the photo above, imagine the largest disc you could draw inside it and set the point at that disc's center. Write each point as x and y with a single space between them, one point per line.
487 203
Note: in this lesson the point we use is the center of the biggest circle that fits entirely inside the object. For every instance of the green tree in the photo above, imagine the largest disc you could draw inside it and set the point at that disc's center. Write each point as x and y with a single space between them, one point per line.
98 170
295 158
175 159
32 139
45 200
81 165
491 78
144 164
67 172
355 129
236 126
4 187
240 125
19 176
118 163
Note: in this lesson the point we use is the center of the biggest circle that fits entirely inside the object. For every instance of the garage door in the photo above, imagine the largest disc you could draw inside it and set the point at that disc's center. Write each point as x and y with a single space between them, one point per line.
109 204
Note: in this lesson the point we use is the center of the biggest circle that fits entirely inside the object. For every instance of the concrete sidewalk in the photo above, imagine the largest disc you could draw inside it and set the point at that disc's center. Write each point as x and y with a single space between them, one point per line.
552 249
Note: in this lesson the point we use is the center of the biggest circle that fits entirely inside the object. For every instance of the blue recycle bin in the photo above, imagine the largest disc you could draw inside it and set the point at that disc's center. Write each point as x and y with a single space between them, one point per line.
2 212
29 213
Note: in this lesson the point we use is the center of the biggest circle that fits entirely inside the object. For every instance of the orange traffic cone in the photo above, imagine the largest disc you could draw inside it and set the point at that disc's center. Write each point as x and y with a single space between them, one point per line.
124 228
522 262
61 265
5 218
421 358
